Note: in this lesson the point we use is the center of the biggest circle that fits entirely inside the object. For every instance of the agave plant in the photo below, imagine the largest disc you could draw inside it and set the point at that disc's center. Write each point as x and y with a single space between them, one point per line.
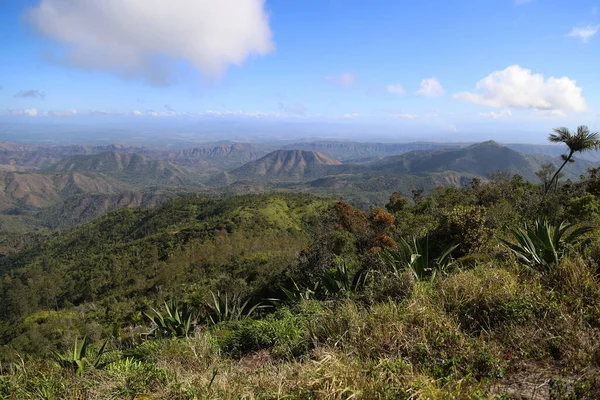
80 359
417 258
297 293
341 280
543 245
225 308
175 322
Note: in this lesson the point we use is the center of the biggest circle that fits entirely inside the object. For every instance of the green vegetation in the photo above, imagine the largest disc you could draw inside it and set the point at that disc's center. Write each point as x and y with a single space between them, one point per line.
486 290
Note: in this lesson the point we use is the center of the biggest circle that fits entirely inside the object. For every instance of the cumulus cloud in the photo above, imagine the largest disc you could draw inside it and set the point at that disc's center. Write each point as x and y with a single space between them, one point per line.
584 33
516 87
395 89
61 113
31 94
431 87
345 79
139 38
496 115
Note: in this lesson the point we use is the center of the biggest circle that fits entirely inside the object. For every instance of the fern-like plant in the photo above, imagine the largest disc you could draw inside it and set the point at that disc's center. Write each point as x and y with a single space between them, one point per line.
80 360
176 321
417 258
543 245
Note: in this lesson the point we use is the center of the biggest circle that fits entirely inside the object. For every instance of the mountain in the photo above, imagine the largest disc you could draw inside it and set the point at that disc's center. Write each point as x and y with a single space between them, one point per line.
555 150
34 157
35 190
223 156
481 159
287 164
351 151
129 167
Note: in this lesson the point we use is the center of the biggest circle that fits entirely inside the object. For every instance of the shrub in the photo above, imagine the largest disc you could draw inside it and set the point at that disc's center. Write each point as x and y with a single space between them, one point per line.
467 226
283 333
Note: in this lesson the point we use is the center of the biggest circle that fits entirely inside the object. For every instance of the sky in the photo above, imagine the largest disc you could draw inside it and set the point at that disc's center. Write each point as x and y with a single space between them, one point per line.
512 68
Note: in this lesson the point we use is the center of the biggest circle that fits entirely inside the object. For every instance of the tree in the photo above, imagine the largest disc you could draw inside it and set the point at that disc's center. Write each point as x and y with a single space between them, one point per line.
581 141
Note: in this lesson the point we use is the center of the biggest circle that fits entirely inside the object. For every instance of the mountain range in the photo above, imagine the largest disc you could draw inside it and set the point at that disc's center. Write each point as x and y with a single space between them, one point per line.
40 185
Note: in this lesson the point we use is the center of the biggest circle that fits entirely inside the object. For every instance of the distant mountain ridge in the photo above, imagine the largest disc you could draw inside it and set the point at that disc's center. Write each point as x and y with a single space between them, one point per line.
287 164
346 151
128 166
480 159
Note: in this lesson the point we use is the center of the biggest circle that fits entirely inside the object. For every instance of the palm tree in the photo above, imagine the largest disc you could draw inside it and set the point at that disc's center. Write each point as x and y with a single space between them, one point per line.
581 141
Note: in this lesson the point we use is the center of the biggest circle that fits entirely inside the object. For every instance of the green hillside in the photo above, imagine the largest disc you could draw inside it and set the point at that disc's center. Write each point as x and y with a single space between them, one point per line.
184 247
272 296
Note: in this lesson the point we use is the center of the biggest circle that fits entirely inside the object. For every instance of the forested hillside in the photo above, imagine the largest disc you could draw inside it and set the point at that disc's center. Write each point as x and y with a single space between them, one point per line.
448 295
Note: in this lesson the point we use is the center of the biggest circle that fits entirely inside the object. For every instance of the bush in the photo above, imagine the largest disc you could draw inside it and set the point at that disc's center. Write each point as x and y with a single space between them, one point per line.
467 226
283 333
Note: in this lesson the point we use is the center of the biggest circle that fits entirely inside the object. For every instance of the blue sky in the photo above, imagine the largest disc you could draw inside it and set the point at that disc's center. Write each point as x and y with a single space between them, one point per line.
414 64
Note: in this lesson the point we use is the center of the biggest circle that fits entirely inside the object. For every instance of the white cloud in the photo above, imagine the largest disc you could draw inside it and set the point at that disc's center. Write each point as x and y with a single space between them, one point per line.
584 33
345 79
551 113
61 113
245 113
139 38
354 115
431 87
407 116
29 112
395 89
517 87
496 115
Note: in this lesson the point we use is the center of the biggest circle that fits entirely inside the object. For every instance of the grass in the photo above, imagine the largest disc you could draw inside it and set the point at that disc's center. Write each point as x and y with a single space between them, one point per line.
488 332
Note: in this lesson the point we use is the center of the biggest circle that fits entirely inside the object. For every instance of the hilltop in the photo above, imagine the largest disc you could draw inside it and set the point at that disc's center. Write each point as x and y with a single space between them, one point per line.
294 164
479 159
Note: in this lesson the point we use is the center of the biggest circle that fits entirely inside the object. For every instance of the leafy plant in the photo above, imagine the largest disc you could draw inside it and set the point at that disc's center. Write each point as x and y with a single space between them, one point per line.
543 245
225 308
417 257
341 280
80 360
297 293
175 322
